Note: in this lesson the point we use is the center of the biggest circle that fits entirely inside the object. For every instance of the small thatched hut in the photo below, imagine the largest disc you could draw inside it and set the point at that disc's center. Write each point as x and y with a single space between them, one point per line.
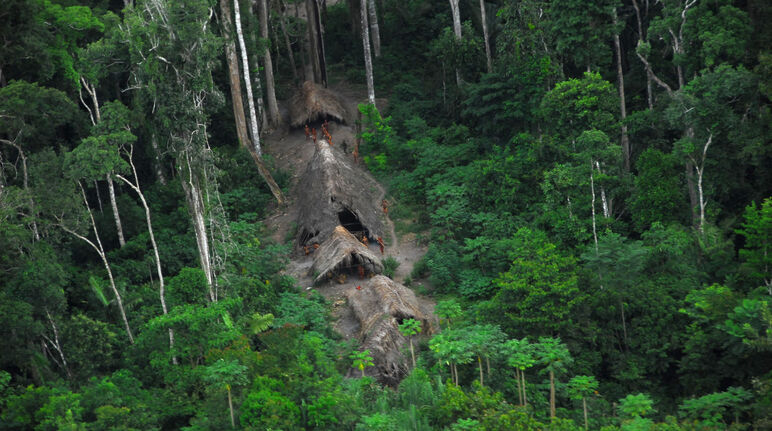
381 306
342 253
333 191
314 103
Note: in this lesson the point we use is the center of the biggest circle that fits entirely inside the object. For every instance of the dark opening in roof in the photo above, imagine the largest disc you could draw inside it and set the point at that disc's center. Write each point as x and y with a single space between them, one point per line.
351 222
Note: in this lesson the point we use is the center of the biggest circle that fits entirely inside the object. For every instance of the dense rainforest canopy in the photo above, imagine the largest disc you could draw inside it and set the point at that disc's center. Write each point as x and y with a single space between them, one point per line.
591 181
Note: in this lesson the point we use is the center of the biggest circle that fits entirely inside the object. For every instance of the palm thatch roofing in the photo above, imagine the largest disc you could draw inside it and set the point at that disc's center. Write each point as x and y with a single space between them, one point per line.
381 306
343 252
312 103
333 191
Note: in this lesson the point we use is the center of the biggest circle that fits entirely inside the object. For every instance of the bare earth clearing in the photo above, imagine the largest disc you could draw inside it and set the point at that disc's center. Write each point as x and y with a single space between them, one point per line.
292 151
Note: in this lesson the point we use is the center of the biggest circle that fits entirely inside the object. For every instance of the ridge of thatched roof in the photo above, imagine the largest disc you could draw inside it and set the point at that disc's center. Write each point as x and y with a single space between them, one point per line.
333 191
343 251
312 102
380 306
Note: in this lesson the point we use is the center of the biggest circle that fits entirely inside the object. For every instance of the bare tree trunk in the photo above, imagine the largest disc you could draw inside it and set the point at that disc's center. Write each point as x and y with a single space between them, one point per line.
700 168
99 196
525 396
156 255
196 207
594 228
368 57
313 46
484 19
552 394
649 97
116 215
456 30
238 104
159 172
319 31
412 353
273 107
247 82
622 105
584 407
57 345
101 251
691 186
374 29
230 406
479 365
519 386
288 45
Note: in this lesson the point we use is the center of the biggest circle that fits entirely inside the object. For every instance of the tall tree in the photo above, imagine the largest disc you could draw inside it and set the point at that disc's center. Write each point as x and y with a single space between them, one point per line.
368 57
254 128
238 104
486 37
273 107
456 13
374 29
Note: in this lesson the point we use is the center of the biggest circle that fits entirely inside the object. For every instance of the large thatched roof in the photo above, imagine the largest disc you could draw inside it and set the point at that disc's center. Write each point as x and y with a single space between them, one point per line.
312 102
380 306
343 252
333 191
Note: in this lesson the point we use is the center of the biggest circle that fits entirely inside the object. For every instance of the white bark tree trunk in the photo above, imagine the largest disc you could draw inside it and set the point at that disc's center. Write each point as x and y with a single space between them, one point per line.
374 29
594 227
484 19
157 257
700 168
455 10
102 254
247 82
273 107
30 201
195 200
116 215
368 57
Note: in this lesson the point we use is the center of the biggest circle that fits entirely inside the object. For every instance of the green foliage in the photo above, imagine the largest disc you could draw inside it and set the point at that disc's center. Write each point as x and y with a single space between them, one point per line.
361 360
390 265
757 230
410 327
711 410
266 409
635 406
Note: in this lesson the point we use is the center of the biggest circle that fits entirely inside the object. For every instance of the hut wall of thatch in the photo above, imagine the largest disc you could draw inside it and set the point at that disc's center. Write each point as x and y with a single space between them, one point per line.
315 103
381 306
342 252
333 191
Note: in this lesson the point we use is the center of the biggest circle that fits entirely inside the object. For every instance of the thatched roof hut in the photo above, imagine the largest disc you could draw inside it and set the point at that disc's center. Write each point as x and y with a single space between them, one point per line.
381 306
314 103
333 191
342 252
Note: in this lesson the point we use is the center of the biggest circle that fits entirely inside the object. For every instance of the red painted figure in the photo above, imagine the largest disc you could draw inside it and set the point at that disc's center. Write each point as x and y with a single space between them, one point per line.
380 243
308 132
364 241
361 270
313 132
385 205
359 287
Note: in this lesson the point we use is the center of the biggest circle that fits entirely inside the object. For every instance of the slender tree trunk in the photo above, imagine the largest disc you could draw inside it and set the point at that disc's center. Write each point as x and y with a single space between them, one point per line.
99 196
484 19
116 215
368 58
594 226
622 105
456 30
273 107
101 252
412 353
313 46
700 168
479 365
238 104
230 406
196 207
649 97
159 172
320 43
57 345
525 396
519 386
488 366
374 29
288 45
247 82
151 233
552 394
